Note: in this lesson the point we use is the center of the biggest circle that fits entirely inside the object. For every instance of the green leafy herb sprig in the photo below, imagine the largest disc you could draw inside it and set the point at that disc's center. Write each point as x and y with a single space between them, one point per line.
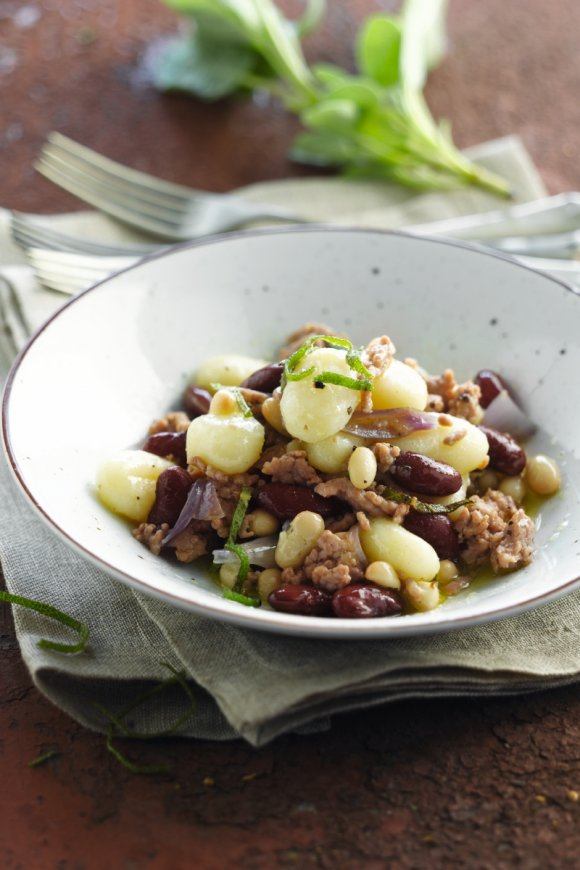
372 123
353 357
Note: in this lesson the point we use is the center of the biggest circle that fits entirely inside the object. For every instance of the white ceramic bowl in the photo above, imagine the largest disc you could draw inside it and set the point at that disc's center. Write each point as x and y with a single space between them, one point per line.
112 359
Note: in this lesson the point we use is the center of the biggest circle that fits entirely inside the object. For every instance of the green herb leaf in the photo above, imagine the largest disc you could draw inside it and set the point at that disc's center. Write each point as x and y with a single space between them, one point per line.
52 613
422 507
232 595
237 520
378 49
200 65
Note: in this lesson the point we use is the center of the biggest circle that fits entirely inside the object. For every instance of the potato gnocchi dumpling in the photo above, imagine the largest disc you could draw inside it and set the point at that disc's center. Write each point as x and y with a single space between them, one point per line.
312 410
126 483
411 556
229 441
331 455
229 370
325 488
399 386
459 444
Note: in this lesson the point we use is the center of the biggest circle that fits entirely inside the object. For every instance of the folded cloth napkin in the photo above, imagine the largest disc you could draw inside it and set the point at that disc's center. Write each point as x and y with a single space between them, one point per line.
249 684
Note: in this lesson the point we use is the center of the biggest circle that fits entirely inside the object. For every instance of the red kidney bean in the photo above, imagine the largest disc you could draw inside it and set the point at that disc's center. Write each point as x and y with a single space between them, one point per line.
167 444
491 385
365 601
301 599
173 486
437 530
505 454
196 401
424 475
285 500
265 380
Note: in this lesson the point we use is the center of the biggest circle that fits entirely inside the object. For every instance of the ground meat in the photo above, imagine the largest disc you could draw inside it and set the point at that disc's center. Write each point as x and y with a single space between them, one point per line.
175 421
385 454
378 354
331 564
461 400
363 521
292 467
297 338
435 403
228 488
492 527
273 452
190 545
151 535
340 524
366 500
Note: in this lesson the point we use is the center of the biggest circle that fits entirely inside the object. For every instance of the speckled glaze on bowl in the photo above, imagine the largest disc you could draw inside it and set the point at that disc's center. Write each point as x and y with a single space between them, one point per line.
90 381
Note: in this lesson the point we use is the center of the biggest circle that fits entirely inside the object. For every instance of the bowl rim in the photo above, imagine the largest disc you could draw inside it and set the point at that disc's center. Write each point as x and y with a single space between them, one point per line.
287 624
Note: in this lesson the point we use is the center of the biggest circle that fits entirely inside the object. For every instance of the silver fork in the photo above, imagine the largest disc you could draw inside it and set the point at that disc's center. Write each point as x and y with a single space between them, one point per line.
161 208
69 272
27 232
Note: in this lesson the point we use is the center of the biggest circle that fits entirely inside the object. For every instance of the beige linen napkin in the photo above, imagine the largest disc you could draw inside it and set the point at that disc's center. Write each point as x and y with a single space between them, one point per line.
248 684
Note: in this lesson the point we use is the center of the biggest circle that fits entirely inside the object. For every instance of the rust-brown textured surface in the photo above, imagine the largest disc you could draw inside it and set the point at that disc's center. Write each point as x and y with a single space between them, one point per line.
489 783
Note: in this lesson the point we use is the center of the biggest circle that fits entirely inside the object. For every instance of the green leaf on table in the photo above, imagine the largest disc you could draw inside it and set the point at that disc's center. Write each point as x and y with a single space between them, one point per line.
200 65
378 49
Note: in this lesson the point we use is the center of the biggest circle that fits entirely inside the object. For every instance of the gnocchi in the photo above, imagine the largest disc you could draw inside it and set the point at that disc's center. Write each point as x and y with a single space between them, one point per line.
444 444
410 556
313 411
399 386
332 454
227 440
126 483
230 370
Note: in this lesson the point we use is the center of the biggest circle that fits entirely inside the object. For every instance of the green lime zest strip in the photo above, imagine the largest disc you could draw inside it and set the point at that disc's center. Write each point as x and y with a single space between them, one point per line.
232 595
343 381
353 358
46 756
117 726
237 520
53 613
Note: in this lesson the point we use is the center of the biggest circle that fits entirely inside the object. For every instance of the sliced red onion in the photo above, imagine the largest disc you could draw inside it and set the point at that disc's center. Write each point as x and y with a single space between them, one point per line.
353 536
392 423
505 415
260 552
202 504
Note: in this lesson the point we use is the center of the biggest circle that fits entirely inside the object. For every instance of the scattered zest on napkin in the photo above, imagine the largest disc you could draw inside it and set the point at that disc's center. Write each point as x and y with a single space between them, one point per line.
248 684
